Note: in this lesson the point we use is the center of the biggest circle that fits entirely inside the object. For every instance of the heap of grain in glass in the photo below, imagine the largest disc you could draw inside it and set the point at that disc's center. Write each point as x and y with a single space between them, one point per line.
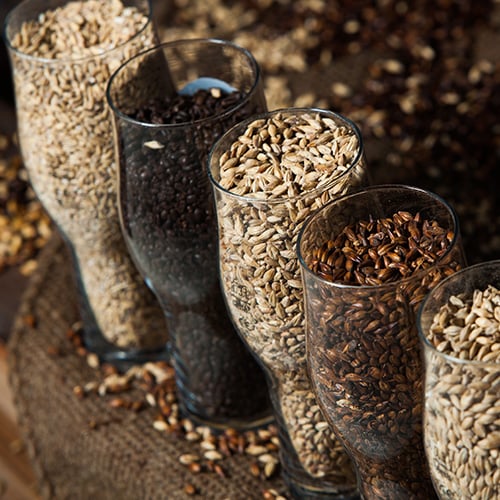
61 58
269 174
368 260
460 329
168 218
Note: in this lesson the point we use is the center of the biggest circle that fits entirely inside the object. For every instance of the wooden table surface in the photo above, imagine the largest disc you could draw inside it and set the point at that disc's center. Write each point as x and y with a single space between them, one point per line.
17 481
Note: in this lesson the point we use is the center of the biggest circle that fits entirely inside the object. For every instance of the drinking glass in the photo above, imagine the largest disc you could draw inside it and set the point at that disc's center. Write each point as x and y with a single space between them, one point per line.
261 276
167 213
361 339
62 54
459 328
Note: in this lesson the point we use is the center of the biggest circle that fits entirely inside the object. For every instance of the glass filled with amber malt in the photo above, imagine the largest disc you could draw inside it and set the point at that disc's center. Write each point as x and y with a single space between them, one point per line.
368 260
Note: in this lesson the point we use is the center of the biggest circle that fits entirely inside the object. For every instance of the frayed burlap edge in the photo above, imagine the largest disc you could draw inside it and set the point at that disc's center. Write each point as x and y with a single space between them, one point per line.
84 449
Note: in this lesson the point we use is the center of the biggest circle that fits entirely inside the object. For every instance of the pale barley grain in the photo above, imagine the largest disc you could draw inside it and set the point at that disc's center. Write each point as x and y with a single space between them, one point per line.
299 156
66 139
471 449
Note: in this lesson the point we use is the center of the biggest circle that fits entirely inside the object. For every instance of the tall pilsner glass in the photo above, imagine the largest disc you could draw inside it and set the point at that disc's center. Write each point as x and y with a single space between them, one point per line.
62 54
269 173
367 261
459 326
168 217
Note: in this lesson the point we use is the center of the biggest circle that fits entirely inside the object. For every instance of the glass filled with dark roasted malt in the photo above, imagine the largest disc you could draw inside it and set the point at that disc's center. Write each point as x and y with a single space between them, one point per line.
170 104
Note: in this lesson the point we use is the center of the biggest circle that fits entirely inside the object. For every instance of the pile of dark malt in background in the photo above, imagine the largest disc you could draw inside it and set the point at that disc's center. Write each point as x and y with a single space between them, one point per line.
421 79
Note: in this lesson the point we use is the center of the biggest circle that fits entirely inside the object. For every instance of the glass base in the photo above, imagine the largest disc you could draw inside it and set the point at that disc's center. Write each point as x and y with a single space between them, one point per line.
207 410
308 492
219 382
239 424
122 359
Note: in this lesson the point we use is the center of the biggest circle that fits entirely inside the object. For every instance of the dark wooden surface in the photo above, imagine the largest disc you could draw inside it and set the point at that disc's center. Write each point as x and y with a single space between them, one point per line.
17 481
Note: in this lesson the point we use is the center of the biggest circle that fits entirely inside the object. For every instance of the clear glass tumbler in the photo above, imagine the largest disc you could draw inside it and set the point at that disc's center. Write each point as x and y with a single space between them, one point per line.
364 277
459 327
170 104
62 54
269 173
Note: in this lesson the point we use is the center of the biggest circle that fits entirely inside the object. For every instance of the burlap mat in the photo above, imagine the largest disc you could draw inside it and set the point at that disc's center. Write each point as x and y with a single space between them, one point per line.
84 448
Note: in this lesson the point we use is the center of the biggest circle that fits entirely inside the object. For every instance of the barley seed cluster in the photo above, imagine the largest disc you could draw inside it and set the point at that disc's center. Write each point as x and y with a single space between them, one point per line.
276 171
462 414
63 60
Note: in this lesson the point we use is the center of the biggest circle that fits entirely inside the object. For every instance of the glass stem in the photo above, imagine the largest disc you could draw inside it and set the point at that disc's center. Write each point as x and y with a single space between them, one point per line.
399 478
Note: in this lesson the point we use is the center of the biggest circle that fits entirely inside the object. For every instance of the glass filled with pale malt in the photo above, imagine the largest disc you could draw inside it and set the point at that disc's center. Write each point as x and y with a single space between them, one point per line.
459 327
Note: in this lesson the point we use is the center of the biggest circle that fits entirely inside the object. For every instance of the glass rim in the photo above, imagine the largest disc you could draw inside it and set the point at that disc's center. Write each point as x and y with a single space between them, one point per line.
186 41
65 60
461 274
283 199
391 284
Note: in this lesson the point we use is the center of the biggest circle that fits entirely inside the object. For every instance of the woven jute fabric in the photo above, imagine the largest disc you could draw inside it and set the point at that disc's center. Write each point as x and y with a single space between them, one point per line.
124 457
83 448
